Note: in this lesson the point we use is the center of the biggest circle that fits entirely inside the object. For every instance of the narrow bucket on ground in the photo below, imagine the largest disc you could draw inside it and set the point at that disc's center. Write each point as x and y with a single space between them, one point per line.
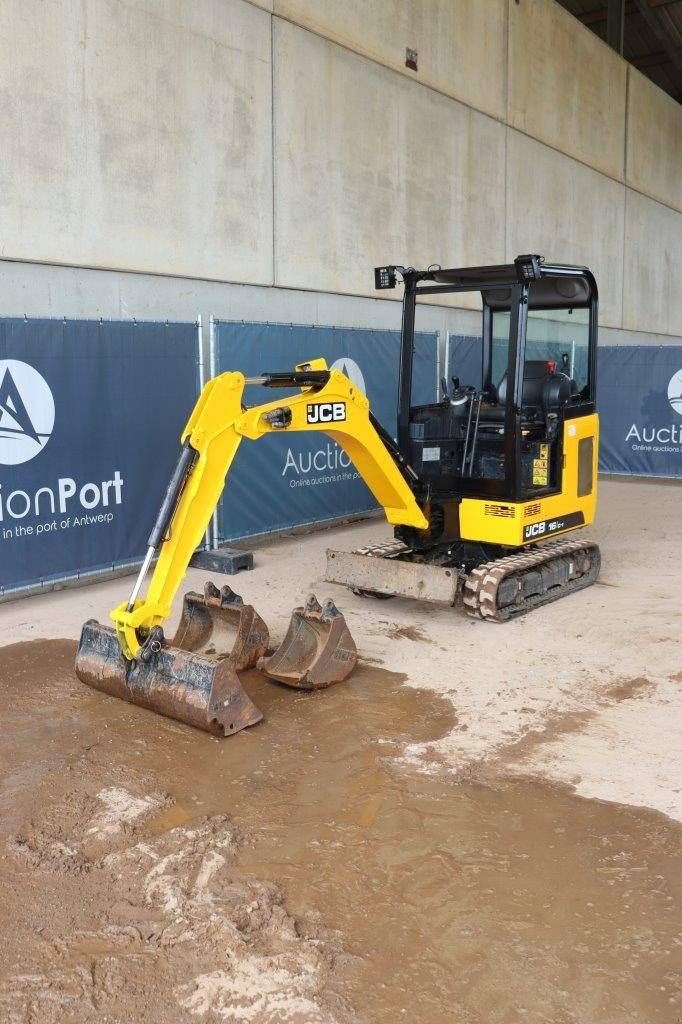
317 650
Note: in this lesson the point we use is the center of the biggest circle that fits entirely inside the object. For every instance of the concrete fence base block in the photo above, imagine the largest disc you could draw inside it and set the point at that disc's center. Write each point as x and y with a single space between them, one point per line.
226 560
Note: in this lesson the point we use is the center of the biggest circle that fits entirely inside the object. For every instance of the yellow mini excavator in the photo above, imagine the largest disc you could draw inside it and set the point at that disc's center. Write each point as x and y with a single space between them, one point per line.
477 486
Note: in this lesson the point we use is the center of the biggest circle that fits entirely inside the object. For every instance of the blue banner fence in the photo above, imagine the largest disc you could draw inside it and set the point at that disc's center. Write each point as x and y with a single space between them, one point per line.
91 413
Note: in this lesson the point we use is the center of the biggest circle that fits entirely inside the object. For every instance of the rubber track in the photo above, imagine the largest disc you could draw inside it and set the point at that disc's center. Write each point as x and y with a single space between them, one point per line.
482 584
389 549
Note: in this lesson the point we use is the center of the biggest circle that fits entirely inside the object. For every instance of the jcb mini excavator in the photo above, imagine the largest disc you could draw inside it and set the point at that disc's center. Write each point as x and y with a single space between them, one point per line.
477 486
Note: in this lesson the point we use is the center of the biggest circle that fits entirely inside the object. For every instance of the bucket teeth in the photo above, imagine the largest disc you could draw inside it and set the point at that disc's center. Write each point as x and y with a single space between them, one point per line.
317 651
199 691
218 624
194 679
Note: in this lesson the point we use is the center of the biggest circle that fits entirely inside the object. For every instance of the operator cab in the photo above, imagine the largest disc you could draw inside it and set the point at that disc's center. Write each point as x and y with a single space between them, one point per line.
497 430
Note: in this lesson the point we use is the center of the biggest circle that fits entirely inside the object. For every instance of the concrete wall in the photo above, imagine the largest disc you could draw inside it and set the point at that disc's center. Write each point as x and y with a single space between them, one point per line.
652 296
569 212
142 136
137 134
358 184
654 134
566 87
35 290
462 44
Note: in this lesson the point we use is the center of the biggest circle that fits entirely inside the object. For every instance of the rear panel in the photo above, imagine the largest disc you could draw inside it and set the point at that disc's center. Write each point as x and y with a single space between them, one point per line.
518 523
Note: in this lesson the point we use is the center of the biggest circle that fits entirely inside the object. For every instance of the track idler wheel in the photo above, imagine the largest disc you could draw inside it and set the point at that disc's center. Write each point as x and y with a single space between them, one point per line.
317 650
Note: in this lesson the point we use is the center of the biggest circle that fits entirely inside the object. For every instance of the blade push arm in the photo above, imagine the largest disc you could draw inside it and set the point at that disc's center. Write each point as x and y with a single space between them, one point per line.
211 438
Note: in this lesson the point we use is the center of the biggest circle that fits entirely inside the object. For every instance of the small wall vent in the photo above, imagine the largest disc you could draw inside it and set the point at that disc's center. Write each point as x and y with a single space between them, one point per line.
411 59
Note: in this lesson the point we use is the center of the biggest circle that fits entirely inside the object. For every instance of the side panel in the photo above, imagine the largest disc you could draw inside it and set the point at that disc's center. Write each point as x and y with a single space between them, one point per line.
519 523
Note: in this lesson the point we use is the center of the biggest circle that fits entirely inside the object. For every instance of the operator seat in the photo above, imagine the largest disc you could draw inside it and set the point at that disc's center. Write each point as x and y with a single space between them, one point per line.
545 390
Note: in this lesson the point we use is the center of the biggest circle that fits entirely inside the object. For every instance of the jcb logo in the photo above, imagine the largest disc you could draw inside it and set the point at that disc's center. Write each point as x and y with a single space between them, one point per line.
534 530
326 412
552 526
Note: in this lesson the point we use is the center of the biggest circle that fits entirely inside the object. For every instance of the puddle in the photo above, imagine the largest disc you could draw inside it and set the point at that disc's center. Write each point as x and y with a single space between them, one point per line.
516 902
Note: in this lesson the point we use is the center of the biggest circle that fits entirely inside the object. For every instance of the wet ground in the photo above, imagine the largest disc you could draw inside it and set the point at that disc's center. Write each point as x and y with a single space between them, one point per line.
379 893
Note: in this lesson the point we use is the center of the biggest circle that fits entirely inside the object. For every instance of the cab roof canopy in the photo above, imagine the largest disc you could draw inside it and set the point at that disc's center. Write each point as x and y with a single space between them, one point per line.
552 286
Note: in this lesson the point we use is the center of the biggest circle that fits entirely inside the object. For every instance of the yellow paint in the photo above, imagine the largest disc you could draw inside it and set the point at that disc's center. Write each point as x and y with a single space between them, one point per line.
497 522
215 429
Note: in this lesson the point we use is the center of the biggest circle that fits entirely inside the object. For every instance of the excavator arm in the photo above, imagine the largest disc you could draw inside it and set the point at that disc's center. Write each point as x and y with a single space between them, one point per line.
328 402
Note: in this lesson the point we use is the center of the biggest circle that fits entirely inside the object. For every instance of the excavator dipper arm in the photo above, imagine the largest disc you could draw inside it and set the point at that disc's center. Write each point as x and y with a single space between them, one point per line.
328 402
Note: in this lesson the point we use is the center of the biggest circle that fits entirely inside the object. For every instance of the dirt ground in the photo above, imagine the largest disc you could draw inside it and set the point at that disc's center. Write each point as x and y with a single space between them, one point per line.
481 825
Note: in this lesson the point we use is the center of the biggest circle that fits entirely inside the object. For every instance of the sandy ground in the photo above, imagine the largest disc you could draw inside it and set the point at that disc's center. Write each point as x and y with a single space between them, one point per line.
583 692
478 827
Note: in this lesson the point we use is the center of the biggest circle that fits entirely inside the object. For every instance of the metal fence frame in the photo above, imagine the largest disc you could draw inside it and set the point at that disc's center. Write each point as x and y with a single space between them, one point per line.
212 539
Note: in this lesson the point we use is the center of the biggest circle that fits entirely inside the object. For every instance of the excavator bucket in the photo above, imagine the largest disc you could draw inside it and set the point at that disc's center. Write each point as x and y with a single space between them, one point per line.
317 650
194 678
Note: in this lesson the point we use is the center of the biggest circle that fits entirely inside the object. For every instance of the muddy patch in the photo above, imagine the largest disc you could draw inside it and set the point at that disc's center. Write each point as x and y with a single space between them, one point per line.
154 929
514 755
298 873
414 633
629 688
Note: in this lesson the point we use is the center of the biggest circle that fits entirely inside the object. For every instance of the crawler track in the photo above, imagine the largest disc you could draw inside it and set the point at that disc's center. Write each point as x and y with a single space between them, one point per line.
507 587
389 549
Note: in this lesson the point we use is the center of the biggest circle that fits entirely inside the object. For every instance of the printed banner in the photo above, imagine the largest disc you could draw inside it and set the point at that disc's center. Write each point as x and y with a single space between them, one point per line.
639 391
90 419
287 480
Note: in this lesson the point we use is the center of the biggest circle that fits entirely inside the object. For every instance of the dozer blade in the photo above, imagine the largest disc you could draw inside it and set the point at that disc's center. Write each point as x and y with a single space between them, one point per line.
317 650
381 573
194 679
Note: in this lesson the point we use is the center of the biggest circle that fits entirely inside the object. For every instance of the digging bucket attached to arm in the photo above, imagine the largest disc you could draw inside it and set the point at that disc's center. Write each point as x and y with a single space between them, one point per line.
194 678
317 650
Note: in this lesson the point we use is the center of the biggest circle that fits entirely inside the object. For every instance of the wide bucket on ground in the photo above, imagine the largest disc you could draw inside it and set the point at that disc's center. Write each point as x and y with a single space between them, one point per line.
194 678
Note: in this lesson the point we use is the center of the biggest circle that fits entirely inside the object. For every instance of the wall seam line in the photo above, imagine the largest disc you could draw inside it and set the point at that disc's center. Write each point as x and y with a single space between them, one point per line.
189 316
272 148
507 239
625 197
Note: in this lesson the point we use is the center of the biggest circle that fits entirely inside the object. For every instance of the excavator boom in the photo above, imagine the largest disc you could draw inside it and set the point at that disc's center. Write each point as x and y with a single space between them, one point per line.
192 679
332 404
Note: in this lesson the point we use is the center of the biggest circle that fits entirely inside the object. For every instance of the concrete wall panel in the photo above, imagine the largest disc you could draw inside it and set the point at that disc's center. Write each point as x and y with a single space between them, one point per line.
137 135
652 297
360 181
462 44
568 213
566 87
654 134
